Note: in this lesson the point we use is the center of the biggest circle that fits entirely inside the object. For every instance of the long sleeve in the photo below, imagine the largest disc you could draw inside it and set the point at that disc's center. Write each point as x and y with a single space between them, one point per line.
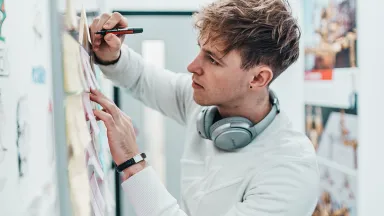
165 91
284 190
148 195
289 189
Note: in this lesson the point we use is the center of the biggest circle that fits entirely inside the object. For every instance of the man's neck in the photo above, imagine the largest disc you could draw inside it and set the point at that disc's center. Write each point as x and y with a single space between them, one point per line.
255 111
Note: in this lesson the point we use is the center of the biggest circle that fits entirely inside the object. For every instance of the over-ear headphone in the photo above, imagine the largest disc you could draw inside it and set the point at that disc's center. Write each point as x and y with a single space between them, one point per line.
233 132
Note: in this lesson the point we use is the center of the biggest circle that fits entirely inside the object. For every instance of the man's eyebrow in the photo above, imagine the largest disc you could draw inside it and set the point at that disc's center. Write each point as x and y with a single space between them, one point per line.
209 52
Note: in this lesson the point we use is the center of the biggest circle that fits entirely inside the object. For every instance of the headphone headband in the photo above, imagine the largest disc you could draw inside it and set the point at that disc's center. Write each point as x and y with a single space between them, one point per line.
267 120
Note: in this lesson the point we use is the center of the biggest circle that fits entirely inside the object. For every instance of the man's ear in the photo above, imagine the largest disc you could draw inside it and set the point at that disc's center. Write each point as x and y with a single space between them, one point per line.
261 76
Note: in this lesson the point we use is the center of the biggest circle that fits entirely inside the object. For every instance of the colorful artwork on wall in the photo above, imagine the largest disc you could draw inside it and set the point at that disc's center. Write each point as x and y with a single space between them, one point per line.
334 134
330 37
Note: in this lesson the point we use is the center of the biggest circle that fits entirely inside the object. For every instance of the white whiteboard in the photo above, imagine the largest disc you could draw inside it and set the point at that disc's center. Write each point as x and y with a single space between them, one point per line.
28 166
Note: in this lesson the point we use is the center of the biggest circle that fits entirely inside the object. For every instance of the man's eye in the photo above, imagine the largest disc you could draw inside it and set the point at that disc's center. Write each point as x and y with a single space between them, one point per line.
213 61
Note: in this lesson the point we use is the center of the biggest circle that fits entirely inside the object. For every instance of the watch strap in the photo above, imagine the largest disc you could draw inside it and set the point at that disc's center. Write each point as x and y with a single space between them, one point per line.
136 159
106 63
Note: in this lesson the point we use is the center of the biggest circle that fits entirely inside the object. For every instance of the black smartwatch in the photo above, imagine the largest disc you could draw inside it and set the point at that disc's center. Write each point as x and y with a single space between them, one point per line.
138 158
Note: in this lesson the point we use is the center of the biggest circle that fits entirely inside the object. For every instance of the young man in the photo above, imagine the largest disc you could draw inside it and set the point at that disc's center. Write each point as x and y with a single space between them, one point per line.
242 156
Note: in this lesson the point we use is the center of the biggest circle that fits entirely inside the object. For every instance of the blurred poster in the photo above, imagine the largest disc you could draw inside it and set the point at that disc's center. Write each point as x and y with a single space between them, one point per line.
330 37
334 134
338 193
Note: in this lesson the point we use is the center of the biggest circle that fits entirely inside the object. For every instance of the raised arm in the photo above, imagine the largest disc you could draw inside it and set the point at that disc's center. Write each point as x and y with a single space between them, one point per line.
168 92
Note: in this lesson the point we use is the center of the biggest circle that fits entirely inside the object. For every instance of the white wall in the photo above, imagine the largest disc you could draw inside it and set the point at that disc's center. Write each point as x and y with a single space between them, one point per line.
289 87
90 5
157 5
371 115
10 89
34 192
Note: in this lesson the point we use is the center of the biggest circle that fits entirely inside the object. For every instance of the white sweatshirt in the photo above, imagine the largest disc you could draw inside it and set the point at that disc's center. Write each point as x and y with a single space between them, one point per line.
275 175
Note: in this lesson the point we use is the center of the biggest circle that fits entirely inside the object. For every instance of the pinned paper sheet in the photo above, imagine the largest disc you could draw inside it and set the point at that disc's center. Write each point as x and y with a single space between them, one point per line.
72 65
96 145
84 35
82 76
79 185
97 199
94 162
77 128
90 77
89 111
70 17
108 197
94 78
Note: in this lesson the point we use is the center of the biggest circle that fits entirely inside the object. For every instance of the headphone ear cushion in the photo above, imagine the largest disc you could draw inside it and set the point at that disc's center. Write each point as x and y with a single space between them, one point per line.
205 120
232 133
208 120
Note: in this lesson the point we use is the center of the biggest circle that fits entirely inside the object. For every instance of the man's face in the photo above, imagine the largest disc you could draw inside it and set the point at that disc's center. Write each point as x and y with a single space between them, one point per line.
216 80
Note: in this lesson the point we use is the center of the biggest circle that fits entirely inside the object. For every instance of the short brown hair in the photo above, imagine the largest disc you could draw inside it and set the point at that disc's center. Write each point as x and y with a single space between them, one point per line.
263 31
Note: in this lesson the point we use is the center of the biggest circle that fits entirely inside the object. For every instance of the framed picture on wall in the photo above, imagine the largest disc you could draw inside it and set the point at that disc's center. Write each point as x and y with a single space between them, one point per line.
330 38
334 134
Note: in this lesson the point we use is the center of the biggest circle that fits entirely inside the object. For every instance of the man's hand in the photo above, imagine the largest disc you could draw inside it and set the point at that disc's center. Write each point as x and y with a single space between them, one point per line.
120 132
107 48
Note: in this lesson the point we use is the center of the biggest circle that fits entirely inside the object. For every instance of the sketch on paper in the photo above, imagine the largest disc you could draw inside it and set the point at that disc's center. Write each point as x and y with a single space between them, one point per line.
22 138
3 15
330 37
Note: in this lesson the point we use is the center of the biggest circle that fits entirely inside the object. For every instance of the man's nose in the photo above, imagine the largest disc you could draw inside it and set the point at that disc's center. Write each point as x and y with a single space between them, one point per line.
195 66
